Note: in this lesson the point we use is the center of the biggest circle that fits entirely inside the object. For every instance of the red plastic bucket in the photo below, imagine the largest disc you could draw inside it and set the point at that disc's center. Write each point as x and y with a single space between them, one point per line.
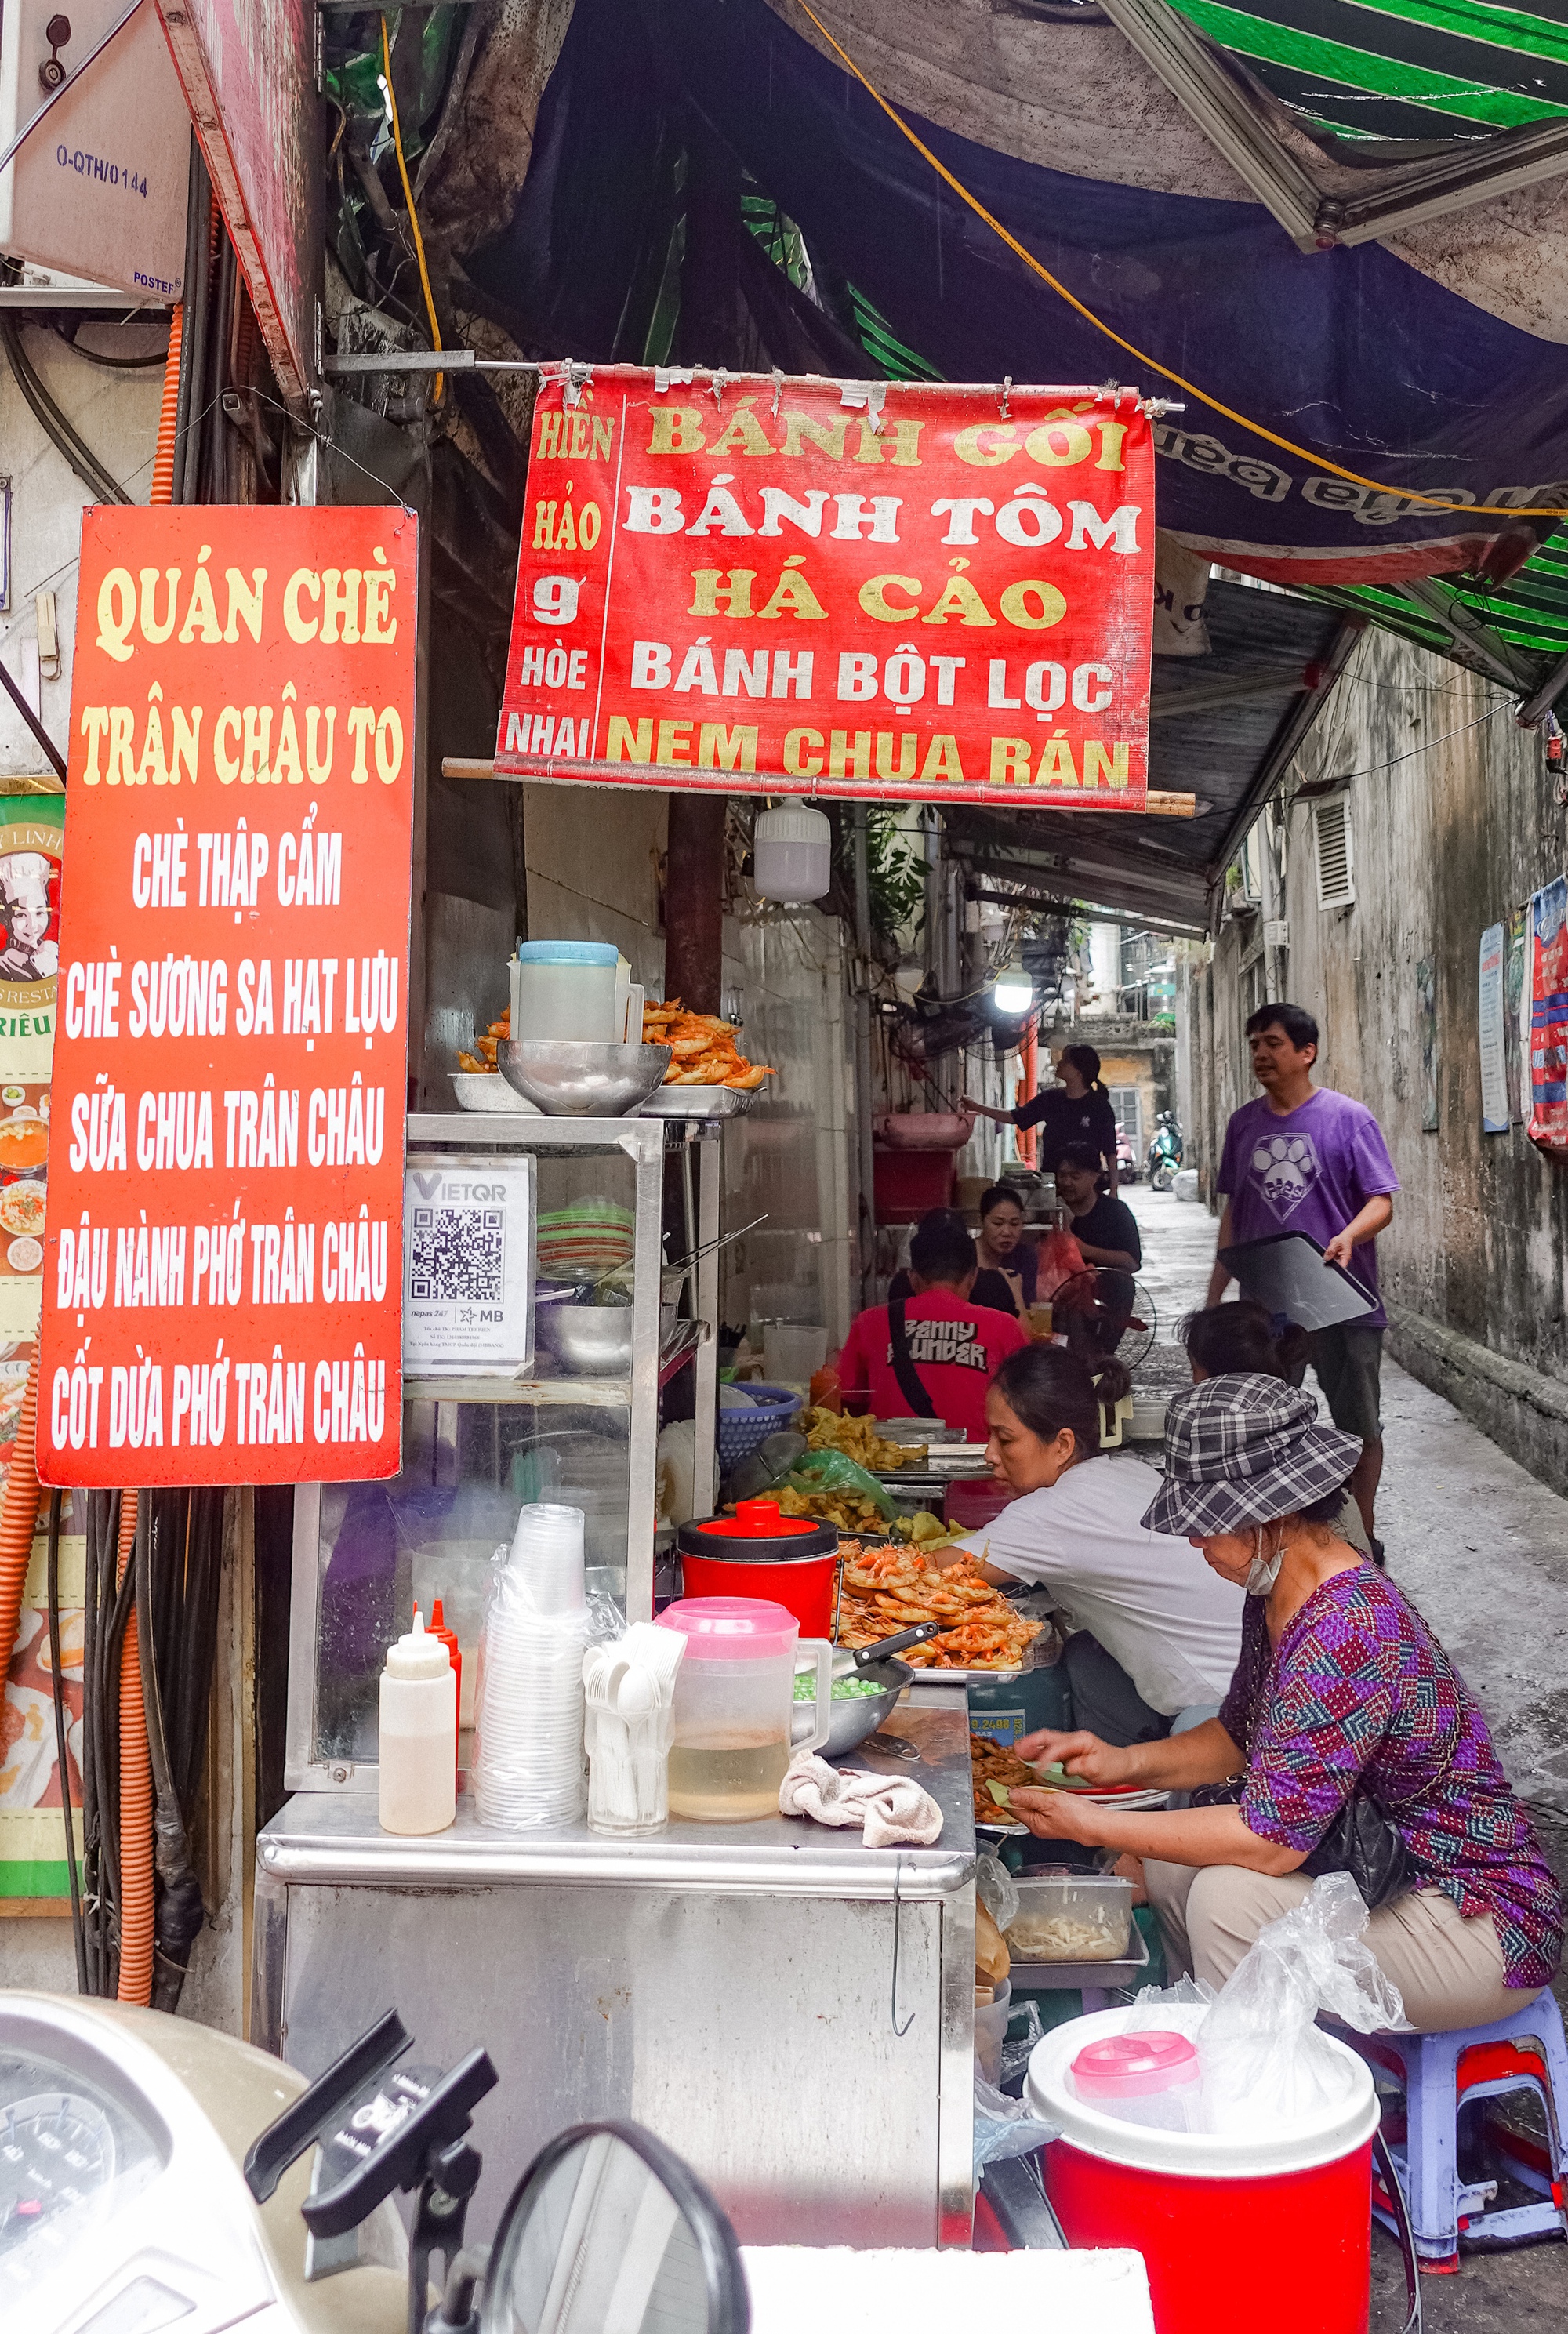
1263 2230
753 1553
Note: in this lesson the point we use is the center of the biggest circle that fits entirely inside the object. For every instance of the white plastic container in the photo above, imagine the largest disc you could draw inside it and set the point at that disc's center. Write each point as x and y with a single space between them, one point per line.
418 1735
991 2031
792 1351
792 854
566 990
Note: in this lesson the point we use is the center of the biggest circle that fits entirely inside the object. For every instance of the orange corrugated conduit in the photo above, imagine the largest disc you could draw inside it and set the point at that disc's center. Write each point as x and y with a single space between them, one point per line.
135 1796
18 1520
163 459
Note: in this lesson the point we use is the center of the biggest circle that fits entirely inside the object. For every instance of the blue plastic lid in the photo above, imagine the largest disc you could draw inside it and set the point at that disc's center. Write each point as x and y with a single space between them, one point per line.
567 952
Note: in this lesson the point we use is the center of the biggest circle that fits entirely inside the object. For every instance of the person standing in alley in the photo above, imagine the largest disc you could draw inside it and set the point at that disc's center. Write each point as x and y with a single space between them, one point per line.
1303 1158
1079 1110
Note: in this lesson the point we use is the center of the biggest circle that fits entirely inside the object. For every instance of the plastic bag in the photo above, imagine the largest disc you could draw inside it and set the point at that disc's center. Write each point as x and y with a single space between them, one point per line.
997 1889
1057 1259
1005 2126
831 1474
1264 2061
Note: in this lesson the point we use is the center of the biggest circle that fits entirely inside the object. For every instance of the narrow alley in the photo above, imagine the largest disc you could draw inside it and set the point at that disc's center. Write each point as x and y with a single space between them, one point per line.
1482 1549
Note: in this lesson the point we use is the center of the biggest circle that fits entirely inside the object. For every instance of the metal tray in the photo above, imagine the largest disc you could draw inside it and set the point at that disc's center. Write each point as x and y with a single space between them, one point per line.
696 1101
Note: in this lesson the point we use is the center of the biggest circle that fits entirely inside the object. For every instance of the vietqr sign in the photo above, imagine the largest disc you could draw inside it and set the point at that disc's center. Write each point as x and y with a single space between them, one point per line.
788 586
221 1270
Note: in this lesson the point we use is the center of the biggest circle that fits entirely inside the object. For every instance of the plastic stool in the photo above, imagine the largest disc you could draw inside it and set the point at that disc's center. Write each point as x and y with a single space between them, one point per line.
1439 2073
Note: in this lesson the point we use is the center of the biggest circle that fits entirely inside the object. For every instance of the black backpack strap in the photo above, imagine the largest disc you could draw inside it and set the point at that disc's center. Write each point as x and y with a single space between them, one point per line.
904 1370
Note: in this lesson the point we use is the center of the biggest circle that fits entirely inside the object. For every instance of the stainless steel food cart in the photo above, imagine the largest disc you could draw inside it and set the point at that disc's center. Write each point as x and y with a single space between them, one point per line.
793 2010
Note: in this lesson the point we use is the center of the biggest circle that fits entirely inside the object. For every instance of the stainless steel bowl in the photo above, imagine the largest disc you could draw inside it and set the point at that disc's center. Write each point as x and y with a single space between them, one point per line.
859 1714
569 1080
592 1341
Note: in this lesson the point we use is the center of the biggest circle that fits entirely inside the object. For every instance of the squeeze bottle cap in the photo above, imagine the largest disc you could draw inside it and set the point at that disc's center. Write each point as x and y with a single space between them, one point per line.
419 1654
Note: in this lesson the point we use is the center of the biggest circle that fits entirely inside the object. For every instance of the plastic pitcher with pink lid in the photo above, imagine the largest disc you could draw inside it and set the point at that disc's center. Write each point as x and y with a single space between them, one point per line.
734 1706
1150 2077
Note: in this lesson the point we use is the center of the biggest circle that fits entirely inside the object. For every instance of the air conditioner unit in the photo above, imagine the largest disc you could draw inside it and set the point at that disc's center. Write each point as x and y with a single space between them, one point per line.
98 191
1335 861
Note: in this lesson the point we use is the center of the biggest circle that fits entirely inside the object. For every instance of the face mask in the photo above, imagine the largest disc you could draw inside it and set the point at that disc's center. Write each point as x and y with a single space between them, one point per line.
1263 1570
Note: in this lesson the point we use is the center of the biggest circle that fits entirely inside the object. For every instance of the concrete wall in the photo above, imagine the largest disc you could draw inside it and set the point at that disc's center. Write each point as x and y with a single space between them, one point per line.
1454 823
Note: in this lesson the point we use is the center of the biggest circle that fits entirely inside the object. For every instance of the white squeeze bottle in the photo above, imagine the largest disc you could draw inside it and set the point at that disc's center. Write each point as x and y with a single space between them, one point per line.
418 1726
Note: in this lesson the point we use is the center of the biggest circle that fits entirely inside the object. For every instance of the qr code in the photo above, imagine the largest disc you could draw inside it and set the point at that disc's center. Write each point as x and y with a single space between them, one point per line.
456 1255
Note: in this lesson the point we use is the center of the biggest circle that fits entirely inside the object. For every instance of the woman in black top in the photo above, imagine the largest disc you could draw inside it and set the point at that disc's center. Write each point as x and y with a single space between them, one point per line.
1077 1111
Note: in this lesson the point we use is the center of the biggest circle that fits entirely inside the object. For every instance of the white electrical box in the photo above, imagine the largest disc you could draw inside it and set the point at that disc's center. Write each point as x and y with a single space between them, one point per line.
98 191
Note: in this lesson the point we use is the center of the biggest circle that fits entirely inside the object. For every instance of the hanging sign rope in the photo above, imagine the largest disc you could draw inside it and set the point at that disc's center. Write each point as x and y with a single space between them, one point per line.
789 585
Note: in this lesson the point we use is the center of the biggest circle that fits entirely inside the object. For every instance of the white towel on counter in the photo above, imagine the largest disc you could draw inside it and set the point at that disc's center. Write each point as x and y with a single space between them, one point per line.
893 1809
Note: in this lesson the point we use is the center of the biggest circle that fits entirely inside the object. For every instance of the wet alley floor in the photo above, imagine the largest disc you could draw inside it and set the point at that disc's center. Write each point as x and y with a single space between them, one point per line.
1482 1549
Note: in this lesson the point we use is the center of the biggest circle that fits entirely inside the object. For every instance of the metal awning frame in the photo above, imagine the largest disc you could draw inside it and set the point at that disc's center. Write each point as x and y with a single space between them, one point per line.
1315 216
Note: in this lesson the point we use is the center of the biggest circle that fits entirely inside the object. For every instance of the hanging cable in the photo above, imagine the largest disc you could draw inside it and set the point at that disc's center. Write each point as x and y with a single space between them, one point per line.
135 1782
54 423
391 97
162 487
1285 445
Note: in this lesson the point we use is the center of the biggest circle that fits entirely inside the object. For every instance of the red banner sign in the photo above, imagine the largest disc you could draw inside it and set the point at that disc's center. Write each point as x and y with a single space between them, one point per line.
221 1269
742 583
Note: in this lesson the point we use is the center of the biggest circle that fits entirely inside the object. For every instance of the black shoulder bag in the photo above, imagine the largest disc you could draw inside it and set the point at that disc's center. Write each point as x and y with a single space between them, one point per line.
904 1370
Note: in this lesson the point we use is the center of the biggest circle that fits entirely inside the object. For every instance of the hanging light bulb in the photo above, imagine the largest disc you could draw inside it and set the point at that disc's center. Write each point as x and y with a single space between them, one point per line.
1013 991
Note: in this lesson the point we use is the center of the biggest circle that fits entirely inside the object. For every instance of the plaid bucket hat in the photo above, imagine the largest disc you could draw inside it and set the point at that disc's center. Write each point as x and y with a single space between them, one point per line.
1242 1448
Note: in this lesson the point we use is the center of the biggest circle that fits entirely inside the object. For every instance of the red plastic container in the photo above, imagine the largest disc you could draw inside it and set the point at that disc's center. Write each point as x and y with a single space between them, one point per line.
907 1183
753 1553
1239 2233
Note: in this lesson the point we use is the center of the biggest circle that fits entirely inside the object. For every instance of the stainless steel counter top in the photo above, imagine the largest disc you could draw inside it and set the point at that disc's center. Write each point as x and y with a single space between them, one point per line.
332 1838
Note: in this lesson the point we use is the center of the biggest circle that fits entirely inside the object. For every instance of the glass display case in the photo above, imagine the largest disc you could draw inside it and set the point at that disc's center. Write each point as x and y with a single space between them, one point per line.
579 1426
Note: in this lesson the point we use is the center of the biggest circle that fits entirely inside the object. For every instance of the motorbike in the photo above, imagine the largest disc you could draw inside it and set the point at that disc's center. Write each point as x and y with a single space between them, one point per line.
1165 1151
149 2181
1126 1159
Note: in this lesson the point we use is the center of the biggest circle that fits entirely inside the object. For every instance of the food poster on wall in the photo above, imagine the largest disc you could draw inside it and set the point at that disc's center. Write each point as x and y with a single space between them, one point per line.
1494 1040
32 1817
1427 1026
32 1840
223 1246
1548 990
1516 1012
909 591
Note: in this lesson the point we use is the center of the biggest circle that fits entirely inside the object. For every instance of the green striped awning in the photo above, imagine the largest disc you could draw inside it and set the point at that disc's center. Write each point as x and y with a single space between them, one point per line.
1514 632
1404 69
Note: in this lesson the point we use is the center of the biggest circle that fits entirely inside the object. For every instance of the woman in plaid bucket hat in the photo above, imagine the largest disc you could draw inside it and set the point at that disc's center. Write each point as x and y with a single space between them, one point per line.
1342 1690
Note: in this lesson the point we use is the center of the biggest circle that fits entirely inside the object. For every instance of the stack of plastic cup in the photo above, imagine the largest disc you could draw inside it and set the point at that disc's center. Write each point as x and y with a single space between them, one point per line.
528 1771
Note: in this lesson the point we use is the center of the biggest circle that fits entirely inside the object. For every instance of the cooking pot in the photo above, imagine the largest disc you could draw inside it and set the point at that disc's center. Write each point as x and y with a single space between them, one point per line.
760 1552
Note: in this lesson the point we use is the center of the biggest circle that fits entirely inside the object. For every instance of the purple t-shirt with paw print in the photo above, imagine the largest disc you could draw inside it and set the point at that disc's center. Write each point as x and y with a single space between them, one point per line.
1309 1171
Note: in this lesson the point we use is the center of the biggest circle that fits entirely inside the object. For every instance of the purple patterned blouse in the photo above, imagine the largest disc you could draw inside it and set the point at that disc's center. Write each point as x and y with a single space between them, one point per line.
1359 1687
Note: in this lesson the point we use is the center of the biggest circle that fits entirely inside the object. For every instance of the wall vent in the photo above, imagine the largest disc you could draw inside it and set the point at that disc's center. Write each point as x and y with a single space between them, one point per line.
1336 866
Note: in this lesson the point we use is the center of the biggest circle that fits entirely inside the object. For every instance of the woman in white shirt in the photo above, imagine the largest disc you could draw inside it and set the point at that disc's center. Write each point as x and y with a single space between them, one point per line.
1153 1635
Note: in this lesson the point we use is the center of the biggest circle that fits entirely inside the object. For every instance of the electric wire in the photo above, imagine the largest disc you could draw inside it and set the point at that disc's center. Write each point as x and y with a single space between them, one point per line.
52 422
437 391
1286 445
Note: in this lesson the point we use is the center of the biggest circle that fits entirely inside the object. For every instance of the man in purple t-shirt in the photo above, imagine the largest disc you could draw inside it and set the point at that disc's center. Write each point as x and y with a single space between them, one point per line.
1304 1159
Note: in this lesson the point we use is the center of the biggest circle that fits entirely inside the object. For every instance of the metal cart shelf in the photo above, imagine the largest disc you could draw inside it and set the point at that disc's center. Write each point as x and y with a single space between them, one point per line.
469 1442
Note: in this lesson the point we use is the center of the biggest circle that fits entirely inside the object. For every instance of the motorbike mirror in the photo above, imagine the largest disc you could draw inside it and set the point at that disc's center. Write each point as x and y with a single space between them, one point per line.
608 2232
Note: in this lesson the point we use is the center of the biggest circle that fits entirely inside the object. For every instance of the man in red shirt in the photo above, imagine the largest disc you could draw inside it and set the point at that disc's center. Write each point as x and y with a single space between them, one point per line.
951 1348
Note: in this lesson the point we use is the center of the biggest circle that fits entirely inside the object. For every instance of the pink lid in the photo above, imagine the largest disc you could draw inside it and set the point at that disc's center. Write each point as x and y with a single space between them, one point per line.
1129 2066
732 1628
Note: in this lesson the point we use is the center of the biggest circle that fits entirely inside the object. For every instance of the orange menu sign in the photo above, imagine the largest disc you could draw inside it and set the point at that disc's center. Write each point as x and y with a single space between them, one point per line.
222 1261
